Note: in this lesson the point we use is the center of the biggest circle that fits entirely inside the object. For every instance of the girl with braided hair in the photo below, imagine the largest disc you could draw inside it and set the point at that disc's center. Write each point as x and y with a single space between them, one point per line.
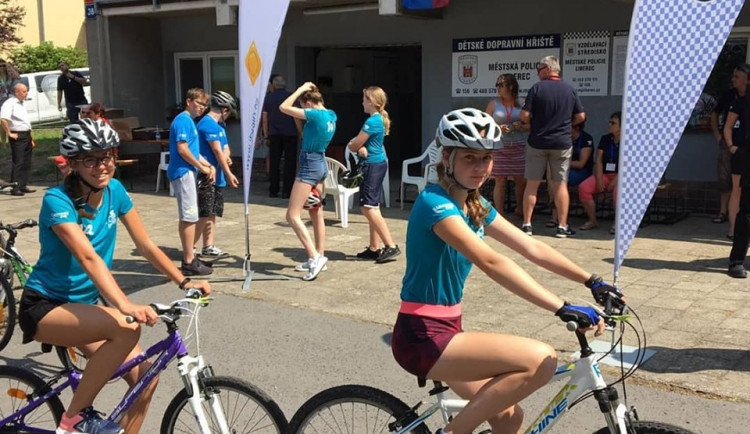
77 233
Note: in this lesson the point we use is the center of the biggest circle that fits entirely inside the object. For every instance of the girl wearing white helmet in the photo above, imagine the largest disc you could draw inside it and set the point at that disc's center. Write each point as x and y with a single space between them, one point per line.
77 233
444 239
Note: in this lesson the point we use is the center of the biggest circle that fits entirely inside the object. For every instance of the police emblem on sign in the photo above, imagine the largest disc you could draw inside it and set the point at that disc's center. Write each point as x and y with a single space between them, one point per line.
467 68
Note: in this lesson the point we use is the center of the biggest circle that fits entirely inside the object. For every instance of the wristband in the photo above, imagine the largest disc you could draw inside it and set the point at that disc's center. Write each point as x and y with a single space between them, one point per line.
592 280
184 282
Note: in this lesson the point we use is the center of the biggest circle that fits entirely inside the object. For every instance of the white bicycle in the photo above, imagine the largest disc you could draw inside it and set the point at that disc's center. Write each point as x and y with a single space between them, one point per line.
362 409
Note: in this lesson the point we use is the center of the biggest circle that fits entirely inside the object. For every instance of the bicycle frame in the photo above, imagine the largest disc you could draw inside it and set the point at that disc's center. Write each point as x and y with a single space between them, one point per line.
21 267
191 369
584 376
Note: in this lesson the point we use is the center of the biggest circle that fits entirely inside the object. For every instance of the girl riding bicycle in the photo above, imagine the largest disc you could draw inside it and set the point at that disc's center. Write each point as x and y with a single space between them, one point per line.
444 239
311 171
77 233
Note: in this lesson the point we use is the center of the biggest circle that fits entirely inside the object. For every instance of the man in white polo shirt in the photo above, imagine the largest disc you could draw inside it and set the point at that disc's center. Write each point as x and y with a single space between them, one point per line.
17 126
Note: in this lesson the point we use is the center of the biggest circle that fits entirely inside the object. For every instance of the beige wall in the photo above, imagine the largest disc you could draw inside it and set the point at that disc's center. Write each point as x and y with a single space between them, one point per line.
61 22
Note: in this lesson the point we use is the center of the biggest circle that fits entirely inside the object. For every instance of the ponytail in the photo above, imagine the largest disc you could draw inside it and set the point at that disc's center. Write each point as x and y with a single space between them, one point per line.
386 120
72 185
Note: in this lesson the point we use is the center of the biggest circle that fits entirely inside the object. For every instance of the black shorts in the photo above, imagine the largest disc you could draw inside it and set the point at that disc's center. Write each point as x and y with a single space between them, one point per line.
371 189
419 341
32 308
210 198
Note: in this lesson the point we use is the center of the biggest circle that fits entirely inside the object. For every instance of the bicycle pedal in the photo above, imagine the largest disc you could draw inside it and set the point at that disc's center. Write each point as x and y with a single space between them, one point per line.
46 348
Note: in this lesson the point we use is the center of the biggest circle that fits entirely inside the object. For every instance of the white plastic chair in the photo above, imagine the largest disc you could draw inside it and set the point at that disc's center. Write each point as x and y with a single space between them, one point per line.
343 198
163 166
386 180
429 174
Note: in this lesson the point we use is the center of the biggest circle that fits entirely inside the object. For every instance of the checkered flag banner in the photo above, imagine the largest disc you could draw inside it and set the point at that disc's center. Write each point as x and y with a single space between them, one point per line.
672 48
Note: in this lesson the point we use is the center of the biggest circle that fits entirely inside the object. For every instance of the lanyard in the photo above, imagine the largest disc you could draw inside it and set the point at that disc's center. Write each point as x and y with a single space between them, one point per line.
508 111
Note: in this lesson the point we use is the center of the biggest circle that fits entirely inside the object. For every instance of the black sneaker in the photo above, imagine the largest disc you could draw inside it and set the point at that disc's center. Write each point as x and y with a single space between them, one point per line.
564 232
387 254
368 254
737 271
17 192
527 230
196 268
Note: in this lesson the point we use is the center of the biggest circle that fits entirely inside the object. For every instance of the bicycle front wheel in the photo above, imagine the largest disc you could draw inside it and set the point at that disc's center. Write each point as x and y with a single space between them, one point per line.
643 427
353 409
8 312
246 409
17 386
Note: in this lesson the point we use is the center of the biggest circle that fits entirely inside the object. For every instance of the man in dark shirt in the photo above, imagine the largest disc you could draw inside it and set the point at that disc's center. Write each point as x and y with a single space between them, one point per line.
71 84
280 132
718 117
552 107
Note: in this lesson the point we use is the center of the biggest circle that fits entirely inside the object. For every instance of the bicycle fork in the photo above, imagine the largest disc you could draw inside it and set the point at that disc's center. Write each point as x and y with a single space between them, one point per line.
192 371
617 421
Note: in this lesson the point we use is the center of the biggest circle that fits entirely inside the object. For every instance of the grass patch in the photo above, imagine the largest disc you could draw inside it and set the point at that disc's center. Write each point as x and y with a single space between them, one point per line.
42 170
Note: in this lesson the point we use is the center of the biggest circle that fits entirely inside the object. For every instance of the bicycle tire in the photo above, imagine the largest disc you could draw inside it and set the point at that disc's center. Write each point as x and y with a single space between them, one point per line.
179 418
16 384
645 427
3 246
7 314
334 410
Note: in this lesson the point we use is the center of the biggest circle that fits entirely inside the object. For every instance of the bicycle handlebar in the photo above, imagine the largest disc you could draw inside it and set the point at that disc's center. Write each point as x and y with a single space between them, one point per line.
172 312
23 224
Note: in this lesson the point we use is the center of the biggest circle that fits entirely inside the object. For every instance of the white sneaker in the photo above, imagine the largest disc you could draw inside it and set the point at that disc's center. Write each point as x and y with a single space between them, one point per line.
316 266
305 266
212 251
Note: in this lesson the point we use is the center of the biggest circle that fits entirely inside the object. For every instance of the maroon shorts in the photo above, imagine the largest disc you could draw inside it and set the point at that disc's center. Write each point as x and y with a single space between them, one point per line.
418 341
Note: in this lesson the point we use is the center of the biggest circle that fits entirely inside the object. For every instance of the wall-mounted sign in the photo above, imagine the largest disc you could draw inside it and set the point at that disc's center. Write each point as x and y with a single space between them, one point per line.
90 7
619 54
477 62
585 62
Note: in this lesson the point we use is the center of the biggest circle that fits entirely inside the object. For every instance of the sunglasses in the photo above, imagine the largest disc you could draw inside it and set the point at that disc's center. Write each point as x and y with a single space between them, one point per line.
500 84
83 112
91 162
201 103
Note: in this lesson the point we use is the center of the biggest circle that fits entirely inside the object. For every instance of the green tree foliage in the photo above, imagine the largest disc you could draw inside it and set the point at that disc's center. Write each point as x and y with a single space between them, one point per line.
11 18
44 57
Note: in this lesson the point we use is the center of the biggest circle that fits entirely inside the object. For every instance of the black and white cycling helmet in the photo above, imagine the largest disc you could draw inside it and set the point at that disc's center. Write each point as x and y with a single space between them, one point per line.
313 199
469 128
221 99
87 135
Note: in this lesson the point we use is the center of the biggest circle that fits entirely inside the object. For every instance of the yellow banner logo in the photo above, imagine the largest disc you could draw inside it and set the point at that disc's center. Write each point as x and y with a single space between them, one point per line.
253 63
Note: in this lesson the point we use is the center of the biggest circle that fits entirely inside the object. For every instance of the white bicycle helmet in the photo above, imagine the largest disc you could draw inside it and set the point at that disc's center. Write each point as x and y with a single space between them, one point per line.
468 128
87 135
222 99
313 200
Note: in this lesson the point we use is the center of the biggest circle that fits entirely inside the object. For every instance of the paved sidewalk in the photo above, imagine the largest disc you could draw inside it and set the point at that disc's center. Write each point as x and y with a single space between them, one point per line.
697 318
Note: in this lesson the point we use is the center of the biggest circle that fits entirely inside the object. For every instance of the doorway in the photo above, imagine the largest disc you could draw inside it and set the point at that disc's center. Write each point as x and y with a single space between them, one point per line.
342 73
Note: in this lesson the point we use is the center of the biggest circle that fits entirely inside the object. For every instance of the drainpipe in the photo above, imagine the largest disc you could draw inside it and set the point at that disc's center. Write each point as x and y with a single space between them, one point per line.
40 8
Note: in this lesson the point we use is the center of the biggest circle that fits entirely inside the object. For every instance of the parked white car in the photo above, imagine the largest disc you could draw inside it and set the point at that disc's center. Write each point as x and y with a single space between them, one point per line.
41 103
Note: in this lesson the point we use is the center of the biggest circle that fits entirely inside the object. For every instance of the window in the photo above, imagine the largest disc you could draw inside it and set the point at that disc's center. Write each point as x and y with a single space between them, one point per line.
212 71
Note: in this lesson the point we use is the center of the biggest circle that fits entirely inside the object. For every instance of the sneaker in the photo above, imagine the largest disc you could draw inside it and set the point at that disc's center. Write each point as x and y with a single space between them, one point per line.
212 251
527 229
17 192
86 422
305 266
196 268
564 232
316 266
369 254
27 190
737 271
388 254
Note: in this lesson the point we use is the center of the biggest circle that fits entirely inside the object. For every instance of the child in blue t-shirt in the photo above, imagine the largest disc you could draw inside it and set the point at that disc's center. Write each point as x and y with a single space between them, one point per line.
77 233
369 146
312 169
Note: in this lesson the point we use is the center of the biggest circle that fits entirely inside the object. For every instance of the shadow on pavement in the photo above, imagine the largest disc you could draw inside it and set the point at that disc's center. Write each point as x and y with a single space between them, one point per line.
678 361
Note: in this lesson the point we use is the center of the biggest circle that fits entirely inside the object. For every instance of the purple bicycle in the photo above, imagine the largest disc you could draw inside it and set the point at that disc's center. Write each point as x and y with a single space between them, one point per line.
207 404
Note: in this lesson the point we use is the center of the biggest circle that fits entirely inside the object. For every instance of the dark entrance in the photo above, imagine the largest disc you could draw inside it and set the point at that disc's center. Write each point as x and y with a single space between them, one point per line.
342 73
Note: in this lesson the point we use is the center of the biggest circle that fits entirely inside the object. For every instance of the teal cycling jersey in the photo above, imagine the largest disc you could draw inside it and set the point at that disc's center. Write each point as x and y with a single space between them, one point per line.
182 130
210 131
376 130
435 271
58 274
319 130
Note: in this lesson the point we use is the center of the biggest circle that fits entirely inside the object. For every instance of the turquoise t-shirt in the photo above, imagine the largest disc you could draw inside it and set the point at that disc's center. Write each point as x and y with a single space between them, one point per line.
435 271
209 131
58 274
374 144
182 130
319 129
